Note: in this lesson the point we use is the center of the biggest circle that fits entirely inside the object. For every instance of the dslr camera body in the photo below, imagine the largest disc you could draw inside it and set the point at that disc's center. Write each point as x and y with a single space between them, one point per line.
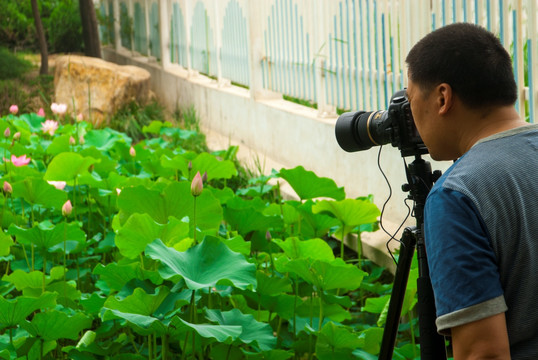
357 131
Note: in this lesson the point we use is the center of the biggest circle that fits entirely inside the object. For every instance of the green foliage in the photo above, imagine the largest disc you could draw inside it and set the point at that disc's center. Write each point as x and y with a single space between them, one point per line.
107 252
61 22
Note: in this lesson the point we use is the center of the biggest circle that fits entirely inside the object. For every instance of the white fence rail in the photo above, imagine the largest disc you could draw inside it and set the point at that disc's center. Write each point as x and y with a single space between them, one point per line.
346 54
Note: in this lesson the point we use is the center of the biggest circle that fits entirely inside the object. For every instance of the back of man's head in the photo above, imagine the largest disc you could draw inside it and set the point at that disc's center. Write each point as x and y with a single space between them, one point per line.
470 59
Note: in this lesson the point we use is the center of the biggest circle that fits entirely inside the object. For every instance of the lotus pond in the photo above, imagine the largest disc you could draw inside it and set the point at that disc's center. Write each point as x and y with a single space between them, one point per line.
117 250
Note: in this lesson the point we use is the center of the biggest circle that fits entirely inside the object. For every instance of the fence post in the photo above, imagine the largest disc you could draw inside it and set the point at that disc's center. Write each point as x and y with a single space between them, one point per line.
218 41
320 47
164 25
256 54
188 22
117 35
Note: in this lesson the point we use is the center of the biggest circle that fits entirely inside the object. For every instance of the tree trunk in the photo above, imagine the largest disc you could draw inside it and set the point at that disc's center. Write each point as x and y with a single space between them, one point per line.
41 39
90 32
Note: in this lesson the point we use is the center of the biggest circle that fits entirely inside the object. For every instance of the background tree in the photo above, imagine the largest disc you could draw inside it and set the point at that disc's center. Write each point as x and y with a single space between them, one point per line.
44 69
90 33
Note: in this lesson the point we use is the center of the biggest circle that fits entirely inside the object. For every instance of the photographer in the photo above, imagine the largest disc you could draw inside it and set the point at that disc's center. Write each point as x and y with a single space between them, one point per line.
481 217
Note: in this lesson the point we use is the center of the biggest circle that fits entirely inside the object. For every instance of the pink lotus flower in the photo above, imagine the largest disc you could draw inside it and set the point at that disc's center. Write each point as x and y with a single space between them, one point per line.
7 132
8 189
41 112
20 161
49 126
14 109
197 185
67 208
58 109
60 185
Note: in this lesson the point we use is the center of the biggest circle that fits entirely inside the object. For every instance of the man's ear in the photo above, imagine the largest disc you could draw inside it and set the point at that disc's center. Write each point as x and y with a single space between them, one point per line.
445 98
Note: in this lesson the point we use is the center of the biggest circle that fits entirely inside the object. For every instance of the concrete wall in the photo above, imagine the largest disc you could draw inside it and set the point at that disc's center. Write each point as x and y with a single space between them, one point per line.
279 134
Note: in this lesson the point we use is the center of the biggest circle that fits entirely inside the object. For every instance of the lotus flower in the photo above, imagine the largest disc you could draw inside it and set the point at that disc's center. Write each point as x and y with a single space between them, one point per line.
41 112
80 117
60 185
20 161
197 185
14 109
8 189
7 132
58 109
67 208
49 126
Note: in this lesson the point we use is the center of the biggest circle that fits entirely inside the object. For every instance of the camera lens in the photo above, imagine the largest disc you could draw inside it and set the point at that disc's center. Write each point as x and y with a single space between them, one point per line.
357 131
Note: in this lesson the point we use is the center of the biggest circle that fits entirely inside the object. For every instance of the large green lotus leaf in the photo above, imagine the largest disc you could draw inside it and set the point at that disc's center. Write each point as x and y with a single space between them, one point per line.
38 191
316 249
136 234
269 355
93 303
46 235
12 312
155 126
142 324
327 275
272 285
308 185
205 265
253 332
215 168
116 276
282 304
315 225
221 333
332 312
5 244
104 139
59 144
24 280
105 166
67 166
140 230
54 325
178 163
175 200
336 342
246 220
31 122
352 212
139 302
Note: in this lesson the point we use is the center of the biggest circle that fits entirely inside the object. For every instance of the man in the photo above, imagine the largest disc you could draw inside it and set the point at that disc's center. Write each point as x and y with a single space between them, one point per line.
481 217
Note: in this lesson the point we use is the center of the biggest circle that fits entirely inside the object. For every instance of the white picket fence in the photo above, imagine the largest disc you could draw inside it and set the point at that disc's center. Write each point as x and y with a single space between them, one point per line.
345 54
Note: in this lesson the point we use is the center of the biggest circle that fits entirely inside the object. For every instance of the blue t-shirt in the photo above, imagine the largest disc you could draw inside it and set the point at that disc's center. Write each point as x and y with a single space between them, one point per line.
481 234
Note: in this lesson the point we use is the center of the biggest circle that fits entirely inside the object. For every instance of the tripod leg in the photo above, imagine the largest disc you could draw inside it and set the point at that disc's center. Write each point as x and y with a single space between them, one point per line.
407 249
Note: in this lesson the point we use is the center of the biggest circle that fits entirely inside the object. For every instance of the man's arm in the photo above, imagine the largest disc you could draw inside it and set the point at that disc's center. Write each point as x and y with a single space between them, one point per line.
482 339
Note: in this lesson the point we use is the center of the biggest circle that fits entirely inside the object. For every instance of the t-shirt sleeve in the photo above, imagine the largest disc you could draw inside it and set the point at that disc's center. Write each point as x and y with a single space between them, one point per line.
463 266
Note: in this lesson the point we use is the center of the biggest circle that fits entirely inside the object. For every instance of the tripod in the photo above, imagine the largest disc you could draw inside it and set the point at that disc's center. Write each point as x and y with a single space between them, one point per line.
432 345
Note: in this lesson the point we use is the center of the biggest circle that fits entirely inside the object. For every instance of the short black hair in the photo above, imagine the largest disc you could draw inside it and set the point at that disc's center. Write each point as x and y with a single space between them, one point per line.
470 59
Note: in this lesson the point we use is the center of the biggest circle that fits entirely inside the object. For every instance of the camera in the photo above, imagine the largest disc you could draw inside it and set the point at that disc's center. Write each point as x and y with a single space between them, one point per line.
357 131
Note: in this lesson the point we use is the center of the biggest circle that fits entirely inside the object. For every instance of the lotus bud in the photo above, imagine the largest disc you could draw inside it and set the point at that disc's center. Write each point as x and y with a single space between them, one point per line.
41 112
14 109
190 165
204 177
80 117
72 141
81 140
268 236
17 135
132 151
7 132
197 185
8 189
67 208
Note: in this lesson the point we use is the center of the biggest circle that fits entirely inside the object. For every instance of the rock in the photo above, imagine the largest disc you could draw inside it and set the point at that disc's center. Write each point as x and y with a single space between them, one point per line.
98 88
